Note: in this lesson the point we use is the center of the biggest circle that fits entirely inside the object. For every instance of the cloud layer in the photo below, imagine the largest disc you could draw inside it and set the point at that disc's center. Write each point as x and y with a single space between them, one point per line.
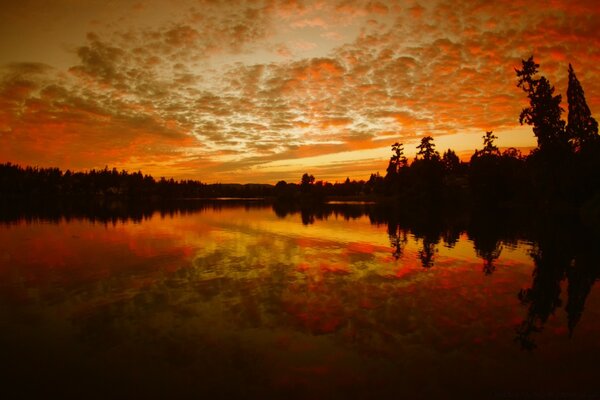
265 90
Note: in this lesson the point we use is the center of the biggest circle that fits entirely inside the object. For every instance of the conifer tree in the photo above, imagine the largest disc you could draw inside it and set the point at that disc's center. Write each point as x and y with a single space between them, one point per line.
398 160
582 128
544 111
427 149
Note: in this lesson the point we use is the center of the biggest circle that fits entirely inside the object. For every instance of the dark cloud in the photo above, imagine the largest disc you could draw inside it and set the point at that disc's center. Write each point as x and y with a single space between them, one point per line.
100 61
26 68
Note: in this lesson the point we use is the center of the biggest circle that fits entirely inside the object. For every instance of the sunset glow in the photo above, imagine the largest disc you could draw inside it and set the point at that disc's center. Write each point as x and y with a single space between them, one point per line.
258 91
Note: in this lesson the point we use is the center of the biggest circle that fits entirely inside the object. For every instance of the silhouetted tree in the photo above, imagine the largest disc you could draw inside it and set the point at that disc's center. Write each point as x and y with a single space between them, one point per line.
375 184
306 182
488 144
395 171
512 152
284 191
451 161
544 111
398 160
555 179
427 149
582 128
486 179
426 174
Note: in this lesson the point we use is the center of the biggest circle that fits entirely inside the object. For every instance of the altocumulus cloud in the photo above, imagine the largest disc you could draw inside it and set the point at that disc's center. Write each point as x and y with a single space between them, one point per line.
223 91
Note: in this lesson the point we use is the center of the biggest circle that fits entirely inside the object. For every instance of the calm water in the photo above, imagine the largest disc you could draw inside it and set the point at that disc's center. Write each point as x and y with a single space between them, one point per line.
255 301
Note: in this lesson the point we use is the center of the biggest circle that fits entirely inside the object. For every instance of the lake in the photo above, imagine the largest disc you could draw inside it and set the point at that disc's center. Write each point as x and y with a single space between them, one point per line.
251 300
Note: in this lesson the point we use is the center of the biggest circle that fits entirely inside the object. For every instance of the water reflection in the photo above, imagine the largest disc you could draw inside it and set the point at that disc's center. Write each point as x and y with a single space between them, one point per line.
561 250
293 302
107 210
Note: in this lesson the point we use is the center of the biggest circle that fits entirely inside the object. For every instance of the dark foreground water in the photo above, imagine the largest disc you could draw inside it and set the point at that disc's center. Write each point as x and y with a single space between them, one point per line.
252 301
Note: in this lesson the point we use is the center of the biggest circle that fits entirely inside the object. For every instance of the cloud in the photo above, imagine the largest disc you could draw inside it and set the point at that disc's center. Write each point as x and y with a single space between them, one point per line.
100 62
223 90
229 26
51 121
310 22
26 68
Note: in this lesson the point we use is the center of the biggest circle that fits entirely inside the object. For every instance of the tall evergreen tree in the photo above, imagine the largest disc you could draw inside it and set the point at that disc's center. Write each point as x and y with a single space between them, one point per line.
582 128
427 149
544 111
398 160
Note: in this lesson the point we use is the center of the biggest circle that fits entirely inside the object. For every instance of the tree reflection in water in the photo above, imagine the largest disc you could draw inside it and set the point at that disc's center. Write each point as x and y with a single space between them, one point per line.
562 250
203 294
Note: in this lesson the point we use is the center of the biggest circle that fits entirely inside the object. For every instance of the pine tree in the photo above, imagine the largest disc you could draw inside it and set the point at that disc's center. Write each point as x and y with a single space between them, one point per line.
582 128
427 149
398 160
544 111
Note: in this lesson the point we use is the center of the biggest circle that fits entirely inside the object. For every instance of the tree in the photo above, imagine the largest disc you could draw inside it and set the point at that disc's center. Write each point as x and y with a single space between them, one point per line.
512 153
307 180
398 160
527 82
427 149
451 161
544 111
491 175
375 184
426 174
488 144
582 128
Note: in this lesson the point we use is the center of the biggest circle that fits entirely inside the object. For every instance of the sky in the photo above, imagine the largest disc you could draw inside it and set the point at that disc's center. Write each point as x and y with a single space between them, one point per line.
265 90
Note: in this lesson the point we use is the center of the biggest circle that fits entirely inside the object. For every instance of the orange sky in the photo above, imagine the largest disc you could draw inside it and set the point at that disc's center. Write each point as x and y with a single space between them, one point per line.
258 91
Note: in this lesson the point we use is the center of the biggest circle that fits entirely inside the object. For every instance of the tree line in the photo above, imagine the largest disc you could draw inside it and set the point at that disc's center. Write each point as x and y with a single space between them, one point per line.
34 182
563 170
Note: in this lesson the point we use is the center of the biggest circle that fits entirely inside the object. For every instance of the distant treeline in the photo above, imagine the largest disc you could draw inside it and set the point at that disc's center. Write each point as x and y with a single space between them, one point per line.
17 181
34 182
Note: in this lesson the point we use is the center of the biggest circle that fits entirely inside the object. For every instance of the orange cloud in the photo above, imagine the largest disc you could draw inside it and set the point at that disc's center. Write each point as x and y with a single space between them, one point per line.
217 91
